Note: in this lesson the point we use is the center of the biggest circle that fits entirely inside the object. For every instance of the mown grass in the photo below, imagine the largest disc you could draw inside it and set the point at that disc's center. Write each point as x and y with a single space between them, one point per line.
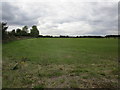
61 62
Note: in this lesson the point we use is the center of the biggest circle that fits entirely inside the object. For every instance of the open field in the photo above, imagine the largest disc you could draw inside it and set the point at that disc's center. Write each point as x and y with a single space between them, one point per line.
61 63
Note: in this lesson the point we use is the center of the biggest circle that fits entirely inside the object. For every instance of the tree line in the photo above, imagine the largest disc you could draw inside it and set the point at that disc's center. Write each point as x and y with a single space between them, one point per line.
34 32
62 36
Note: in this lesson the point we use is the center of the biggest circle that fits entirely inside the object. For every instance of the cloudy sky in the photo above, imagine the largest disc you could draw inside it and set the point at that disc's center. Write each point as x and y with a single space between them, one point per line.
63 18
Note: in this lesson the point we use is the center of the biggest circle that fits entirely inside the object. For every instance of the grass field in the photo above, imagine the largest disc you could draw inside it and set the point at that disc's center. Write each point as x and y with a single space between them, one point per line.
61 63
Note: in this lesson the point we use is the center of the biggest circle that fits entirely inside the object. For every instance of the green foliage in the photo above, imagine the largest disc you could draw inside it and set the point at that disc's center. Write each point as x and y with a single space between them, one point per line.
13 32
4 30
18 32
24 31
34 31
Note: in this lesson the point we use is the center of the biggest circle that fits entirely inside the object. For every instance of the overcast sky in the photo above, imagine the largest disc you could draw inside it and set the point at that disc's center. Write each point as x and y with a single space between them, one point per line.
63 18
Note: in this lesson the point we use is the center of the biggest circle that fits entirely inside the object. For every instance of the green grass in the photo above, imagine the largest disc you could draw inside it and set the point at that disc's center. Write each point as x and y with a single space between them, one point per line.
51 61
59 50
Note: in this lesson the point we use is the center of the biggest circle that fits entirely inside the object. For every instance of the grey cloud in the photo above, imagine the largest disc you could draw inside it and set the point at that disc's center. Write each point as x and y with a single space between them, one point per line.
61 18
8 11
15 16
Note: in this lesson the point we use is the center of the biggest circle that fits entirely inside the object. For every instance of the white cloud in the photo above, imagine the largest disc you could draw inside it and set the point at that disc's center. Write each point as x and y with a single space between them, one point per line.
64 18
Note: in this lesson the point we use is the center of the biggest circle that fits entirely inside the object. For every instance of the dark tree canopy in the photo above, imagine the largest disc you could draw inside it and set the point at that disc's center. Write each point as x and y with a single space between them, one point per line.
18 32
34 31
4 30
13 32
24 31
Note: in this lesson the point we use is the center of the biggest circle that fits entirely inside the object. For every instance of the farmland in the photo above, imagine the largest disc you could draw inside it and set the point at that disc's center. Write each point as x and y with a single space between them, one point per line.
61 63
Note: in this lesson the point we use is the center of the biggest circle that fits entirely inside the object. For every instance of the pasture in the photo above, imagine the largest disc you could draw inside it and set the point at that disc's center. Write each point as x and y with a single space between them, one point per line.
61 63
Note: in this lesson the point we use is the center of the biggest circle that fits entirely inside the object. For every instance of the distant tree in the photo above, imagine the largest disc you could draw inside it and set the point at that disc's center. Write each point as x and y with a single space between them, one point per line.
9 34
18 32
4 30
24 31
13 32
25 28
34 32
